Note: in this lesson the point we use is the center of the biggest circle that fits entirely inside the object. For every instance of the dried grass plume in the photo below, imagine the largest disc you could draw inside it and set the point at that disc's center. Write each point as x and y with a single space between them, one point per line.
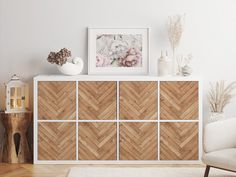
175 27
220 95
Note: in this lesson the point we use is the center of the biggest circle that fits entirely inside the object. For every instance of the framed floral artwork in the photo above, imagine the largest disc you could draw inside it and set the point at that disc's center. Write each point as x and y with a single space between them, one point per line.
118 51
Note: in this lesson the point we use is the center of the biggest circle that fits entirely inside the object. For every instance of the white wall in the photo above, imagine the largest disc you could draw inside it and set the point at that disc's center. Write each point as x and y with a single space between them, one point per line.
30 29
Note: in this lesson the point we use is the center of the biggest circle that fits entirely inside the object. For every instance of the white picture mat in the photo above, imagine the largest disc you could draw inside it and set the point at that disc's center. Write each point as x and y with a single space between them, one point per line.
92 35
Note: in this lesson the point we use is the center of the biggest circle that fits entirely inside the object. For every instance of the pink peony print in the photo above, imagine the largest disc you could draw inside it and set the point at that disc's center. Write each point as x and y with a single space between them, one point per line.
132 58
102 61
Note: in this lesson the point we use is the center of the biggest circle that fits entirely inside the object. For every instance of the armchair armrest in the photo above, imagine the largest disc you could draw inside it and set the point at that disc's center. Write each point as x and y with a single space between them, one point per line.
220 135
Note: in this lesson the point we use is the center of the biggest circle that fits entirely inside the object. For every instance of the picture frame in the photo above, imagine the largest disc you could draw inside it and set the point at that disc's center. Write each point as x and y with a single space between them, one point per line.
118 51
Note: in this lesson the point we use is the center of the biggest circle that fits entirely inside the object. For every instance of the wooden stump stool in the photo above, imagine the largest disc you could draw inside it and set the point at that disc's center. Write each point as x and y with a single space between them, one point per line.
16 149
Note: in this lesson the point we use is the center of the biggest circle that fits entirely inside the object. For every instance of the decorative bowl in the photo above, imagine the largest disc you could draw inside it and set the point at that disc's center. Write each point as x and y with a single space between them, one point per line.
73 68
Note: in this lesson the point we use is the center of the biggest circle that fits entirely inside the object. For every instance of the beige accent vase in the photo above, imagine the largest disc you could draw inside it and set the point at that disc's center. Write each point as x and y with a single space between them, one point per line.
164 66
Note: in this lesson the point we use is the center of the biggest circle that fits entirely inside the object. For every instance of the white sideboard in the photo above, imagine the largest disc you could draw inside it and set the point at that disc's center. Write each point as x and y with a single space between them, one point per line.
117 120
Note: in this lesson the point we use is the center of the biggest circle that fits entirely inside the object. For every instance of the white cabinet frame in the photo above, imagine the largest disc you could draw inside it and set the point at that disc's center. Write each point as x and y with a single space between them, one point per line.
117 79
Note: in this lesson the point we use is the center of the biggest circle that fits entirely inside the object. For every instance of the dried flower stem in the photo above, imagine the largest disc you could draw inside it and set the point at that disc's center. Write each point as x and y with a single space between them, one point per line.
220 95
175 29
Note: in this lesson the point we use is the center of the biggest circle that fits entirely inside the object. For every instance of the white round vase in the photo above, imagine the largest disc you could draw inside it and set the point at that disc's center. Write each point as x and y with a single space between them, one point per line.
73 68
216 116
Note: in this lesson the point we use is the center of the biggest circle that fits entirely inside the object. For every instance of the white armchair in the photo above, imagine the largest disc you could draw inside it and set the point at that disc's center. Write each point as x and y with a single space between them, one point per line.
220 145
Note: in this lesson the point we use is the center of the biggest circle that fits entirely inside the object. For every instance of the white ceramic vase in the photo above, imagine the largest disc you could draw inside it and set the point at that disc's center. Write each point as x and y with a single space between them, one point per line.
216 116
73 68
164 66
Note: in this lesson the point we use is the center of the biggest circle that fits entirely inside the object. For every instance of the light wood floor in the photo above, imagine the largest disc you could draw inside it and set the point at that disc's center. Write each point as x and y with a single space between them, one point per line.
29 170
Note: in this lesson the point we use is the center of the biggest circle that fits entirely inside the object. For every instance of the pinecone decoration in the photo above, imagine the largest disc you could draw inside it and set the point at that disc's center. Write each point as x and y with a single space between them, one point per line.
59 58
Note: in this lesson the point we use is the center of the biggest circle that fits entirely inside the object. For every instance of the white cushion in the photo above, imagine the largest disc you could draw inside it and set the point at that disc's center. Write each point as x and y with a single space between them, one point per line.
220 135
225 159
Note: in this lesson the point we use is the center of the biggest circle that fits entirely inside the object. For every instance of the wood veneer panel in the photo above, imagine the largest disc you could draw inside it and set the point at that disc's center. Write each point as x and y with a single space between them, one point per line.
179 100
97 141
138 141
138 100
179 141
56 100
56 141
97 100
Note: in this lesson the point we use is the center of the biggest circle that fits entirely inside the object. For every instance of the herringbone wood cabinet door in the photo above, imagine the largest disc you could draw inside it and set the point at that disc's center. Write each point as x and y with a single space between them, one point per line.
179 100
56 100
138 100
56 141
97 100
97 141
179 141
138 141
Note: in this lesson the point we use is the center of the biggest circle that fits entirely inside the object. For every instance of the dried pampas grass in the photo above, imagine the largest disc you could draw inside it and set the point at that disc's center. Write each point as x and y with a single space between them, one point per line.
220 95
175 30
